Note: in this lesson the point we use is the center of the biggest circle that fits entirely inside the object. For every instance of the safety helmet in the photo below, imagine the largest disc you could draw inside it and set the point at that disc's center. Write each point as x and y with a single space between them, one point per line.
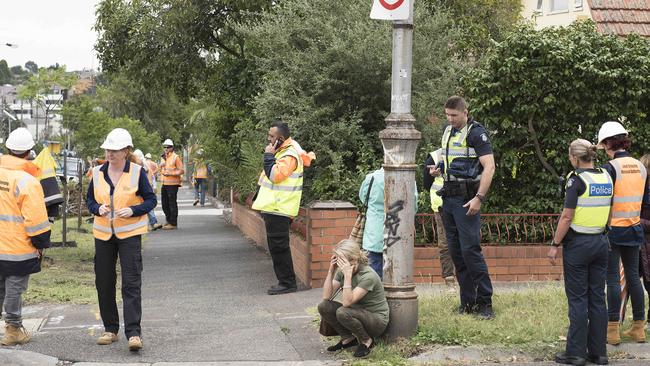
610 129
20 140
199 152
168 142
138 154
117 139
148 156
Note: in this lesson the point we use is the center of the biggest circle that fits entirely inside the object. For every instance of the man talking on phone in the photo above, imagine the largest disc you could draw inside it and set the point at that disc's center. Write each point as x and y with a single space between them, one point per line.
278 200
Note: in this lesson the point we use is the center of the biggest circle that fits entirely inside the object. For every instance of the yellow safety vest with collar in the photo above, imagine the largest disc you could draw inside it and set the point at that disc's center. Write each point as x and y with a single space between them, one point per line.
454 147
592 209
436 201
200 170
22 214
282 198
124 195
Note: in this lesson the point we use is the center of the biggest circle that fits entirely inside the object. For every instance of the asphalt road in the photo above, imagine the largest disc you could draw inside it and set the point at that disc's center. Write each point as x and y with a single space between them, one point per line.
204 299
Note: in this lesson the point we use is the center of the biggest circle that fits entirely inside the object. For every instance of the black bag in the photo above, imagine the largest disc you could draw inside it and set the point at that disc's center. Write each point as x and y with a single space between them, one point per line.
325 328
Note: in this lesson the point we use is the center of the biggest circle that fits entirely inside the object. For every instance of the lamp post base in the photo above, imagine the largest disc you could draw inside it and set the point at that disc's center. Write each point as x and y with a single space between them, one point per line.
403 304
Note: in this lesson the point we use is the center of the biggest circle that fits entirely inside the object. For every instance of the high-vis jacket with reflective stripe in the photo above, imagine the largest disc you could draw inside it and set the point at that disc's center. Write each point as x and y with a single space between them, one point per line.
173 167
454 147
436 201
281 198
628 191
124 195
200 169
22 215
592 210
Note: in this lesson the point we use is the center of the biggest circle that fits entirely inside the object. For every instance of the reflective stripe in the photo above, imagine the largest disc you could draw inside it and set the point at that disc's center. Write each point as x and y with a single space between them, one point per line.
11 218
22 183
296 175
102 228
275 187
96 173
135 175
53 197
627 199
130 227
594 202
18 258
38 227
626 214
436 187
587 230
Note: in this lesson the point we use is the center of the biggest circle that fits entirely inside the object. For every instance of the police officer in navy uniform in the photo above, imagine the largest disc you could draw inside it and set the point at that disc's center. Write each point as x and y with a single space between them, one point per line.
580 231
468 168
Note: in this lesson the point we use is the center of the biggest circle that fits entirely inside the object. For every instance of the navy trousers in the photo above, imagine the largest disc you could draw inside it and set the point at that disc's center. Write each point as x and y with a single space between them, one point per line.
464 239
585 275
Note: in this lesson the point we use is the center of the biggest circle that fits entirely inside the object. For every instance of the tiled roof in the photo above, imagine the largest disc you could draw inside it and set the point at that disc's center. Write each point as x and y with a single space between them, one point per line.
621 17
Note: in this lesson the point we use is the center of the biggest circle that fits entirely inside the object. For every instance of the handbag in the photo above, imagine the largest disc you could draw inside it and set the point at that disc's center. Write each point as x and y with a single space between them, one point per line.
324 327
359 225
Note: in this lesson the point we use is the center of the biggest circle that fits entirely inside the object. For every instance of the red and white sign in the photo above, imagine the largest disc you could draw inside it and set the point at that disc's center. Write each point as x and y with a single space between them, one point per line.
391 9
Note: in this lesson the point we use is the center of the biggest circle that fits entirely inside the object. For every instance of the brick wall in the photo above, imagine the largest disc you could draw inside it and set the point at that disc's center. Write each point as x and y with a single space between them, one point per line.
326 223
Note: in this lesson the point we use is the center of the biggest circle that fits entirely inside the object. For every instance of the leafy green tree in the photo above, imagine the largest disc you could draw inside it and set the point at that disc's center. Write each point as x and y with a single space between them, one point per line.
31 66
5 74
539 90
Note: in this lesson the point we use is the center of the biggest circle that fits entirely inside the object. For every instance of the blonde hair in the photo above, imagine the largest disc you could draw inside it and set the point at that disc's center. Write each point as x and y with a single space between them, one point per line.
350 250
645 160
583 150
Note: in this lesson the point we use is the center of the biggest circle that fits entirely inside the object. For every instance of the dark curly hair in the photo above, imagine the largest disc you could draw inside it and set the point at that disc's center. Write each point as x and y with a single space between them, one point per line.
618 142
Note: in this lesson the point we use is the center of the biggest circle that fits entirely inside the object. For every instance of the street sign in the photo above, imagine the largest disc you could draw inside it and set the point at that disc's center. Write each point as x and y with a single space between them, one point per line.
391 9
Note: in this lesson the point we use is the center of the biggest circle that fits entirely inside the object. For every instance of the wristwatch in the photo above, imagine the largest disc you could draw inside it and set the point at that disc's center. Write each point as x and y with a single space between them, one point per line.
480 197
553 243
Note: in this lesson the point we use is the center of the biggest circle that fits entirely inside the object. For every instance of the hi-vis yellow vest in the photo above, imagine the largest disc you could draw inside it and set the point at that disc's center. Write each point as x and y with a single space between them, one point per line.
281 198
436 201
123 196
200 170
22 213
592 210
454 147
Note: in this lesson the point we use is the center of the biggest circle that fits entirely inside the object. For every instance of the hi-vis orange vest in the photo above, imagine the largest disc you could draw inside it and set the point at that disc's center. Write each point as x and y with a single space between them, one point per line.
22 211
172 165
628 191
123 196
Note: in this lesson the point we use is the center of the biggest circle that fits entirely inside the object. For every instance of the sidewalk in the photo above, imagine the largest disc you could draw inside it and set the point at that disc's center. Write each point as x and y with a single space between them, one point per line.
204 300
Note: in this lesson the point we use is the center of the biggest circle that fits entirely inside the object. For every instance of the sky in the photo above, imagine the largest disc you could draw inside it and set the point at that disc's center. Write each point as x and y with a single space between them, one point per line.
49 31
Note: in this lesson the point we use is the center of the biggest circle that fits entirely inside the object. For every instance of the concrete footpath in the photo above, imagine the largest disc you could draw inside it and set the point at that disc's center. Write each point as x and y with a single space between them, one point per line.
204 300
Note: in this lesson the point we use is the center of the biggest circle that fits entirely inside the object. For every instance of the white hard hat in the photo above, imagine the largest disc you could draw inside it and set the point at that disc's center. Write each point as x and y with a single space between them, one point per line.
20 140
168 142
609 129
117 139
148 156
138 154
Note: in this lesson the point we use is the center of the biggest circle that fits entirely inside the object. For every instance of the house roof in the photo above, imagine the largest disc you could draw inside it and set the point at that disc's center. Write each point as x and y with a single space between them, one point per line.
621 17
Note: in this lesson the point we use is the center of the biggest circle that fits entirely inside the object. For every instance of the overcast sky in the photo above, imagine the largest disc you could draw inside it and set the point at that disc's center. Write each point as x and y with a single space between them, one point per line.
49 31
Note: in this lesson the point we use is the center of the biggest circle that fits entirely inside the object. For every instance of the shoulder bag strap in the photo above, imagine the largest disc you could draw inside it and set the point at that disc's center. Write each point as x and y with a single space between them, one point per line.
365 204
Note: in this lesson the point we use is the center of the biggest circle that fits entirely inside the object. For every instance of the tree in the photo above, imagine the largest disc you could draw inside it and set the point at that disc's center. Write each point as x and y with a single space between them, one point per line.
31 66
539 90
5 74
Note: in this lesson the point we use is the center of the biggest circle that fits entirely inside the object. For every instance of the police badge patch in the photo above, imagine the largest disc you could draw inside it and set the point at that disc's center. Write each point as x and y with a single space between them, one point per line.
484 137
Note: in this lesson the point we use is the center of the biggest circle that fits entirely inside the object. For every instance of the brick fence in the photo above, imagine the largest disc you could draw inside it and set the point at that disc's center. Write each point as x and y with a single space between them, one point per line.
320 226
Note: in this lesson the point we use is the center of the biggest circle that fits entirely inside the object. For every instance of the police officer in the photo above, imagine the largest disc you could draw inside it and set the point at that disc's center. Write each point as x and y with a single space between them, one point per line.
24 229
278 199
625 232
581 232
468 170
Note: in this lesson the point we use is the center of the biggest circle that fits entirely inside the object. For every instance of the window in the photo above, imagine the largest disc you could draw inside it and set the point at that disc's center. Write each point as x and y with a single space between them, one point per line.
559 5
539 4
578 3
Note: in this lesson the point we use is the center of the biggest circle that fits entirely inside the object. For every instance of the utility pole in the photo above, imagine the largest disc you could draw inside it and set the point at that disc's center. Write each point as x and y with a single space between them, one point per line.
400 141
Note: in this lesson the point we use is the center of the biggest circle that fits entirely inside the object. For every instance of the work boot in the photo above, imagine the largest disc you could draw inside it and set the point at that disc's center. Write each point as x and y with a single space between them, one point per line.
466 309
135 344
613 333
169 227
15 335
598 360
107 338
195 202
485 312
565 359
280 289
636 332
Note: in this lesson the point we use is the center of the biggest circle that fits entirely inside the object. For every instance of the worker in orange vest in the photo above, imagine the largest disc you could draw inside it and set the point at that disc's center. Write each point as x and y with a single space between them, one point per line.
200 178
119 196
150 168
625 231
24 231
171 170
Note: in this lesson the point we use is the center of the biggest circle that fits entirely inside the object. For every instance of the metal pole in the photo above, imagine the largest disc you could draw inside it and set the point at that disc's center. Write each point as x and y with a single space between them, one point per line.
65 198
80 184
400 140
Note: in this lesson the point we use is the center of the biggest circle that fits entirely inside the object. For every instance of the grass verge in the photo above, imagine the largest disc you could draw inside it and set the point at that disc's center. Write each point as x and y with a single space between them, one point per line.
67 274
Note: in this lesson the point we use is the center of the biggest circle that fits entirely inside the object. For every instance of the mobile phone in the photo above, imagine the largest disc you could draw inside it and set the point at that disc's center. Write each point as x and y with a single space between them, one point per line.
278 143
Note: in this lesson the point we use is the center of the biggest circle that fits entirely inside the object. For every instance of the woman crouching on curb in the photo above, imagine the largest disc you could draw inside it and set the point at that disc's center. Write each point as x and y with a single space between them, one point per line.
119 195
362 313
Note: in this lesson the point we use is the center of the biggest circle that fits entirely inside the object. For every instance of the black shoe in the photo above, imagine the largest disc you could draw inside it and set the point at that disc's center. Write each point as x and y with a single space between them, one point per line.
598 360
195 202
363 350
279 289
466 309
569 360
484 312
340 345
